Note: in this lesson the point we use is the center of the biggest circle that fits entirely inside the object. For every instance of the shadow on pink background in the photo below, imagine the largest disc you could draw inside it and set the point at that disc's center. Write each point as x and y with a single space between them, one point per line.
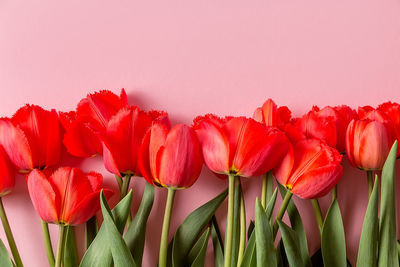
192 58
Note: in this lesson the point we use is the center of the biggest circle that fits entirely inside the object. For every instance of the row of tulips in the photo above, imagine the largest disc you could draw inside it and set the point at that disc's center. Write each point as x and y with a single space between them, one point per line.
304 155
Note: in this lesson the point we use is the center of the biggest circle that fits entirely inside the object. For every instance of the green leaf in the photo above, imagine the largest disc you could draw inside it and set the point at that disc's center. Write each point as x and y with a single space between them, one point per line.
266 254
236 224
198 253
250 229
249 256
5 259
297 226
70 257
217 243
99 253
191 227
292 245
135 235
387 224
368 248
333 243
271 205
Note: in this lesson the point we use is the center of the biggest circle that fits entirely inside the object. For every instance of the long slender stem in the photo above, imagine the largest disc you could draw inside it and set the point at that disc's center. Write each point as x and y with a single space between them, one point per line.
264 190
229 224
370 182
119 181
124 190
242 242
91 230
318 213
47 243
10 237
281 212
60 246
165 228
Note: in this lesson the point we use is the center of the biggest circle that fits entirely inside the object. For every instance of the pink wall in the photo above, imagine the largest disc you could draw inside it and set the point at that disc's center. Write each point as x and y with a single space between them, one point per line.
195 57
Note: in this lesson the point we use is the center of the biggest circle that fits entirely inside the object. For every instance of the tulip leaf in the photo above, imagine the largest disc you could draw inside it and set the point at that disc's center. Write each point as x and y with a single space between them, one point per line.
292 245
368 248
387 223
297 225
333 243
191 227
136 232
70 258
249 256
5 259
197 255
266 254
217 243
250 229
99 252
271 205
91 230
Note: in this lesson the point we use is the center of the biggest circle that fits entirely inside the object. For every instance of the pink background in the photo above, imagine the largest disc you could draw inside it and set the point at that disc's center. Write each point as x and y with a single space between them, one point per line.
196 57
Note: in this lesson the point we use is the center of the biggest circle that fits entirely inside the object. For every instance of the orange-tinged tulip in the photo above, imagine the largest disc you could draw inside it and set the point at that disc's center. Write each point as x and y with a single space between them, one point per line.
311 169
32 138
123 138
7 179
239 146
271 115
85 127
368 143
67 196
170 157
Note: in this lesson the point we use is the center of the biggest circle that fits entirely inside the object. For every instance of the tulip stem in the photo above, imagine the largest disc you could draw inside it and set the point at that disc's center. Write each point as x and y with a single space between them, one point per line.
267 188
281 212
47 243
60 246
370 182
10 237
318 213
119 181
229 221
91 230
124 190
242 242
334 193
165 228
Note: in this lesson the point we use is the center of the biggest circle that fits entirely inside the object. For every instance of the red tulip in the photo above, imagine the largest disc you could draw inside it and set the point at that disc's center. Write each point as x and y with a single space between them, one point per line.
311 169
7 179
316 126
84 129
123 138
239 145
170 157
67 196
32 138
392 111
341 116
368 142
271 115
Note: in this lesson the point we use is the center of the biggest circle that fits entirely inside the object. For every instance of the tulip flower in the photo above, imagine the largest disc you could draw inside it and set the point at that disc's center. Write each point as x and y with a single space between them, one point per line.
238 147
32 138
7 181
270 115
392 111
171 158
85 127
67 196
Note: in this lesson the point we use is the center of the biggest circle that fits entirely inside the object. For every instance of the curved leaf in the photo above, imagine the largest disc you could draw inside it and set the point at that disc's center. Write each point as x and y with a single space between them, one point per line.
217 243
197 255
292 245
70 255
5 259
249 256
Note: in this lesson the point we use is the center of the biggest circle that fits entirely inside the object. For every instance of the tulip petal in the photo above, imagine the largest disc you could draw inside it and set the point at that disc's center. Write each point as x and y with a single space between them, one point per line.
81 141
158 136
144 159
283 170
16 145
181 159
7 180
43 196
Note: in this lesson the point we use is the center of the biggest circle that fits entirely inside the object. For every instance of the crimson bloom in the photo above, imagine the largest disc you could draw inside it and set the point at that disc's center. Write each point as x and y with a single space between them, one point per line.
32 138
123 138
7 179
311 169
170 157
85 127
67 196
239 145
392 111
271 115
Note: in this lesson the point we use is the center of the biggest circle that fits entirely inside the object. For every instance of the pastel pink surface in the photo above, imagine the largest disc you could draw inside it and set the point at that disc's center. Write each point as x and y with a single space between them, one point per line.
192 58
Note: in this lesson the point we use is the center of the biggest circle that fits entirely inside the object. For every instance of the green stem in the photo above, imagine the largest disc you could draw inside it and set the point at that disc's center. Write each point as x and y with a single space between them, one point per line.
334 193
242 242
165 228
60 246
370 182
124 190
318 214
267 188
47 243
119 181
91 230
10 237
229 224
281 212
